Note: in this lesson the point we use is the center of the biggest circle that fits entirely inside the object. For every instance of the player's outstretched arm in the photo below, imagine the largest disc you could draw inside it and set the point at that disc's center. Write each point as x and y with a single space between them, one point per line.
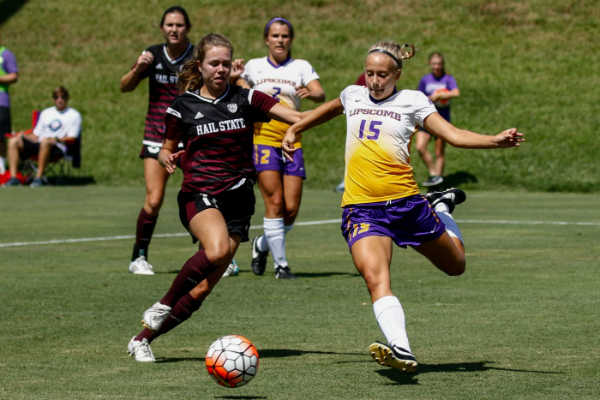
457 137
318 116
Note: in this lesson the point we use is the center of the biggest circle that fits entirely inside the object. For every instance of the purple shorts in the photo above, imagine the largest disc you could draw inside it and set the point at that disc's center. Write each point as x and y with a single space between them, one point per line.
409 221
269 158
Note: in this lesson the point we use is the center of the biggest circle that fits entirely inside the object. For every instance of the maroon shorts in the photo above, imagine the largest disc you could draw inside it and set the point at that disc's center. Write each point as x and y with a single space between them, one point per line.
409 221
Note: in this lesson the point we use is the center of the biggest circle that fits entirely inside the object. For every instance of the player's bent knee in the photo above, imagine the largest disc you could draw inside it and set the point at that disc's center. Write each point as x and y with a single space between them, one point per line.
219 254
456 268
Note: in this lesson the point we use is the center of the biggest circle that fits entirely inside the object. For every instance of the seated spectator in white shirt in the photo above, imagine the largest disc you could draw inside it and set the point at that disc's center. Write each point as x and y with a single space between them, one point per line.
56 129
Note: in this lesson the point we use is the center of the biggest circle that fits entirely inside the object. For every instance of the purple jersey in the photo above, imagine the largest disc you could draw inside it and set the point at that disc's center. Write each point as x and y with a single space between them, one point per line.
8 65
218 137
429 84
162 83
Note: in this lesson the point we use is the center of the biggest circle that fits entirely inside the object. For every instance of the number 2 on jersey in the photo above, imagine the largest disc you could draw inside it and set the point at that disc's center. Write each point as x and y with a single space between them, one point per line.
373 132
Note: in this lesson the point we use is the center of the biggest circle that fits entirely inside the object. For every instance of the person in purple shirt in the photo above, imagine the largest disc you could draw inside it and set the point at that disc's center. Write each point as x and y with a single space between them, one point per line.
440 87
9 74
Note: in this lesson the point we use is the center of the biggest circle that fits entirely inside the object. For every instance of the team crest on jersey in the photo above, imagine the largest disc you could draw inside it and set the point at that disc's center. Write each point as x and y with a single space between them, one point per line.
232 107
199 115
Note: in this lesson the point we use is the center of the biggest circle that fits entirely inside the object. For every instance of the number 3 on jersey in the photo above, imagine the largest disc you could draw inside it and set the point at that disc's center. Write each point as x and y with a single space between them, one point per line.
373 132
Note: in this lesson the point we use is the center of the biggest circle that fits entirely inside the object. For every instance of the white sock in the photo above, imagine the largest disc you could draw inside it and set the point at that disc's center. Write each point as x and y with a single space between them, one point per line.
451 226
262 244
2 167
275 234
390 317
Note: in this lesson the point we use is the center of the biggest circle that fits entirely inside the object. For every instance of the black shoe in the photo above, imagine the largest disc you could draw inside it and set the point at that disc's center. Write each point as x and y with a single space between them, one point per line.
284 273
259 258
433 180
450 197
13 182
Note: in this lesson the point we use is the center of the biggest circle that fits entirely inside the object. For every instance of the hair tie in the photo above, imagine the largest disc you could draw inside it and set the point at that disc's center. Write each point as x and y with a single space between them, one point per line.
384 51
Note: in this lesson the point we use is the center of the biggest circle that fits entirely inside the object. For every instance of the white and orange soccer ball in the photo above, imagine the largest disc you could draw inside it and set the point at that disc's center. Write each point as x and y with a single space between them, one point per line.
232 360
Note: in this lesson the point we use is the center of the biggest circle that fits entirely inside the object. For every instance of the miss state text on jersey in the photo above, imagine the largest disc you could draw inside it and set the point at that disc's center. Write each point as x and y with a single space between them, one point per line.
218 136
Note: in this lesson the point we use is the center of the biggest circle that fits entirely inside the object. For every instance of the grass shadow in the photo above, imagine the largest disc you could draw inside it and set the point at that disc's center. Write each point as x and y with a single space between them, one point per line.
455 180
67 180
403 378
264 353
9 8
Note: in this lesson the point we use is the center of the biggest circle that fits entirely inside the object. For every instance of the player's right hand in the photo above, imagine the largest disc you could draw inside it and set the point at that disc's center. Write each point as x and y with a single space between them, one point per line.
143 61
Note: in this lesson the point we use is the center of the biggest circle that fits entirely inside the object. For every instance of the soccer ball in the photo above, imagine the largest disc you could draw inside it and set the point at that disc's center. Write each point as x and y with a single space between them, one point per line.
232 360
442 102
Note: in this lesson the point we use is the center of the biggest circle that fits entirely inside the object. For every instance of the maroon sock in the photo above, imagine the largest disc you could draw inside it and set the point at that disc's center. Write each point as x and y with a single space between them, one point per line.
184 308
143 234
146 334
192 273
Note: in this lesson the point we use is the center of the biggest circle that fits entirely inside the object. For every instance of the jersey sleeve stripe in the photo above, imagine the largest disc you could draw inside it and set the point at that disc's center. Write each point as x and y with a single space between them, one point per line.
173 112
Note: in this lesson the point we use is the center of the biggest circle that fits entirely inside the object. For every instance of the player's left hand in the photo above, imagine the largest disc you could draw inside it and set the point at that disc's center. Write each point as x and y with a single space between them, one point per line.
302 92
287 145
509 138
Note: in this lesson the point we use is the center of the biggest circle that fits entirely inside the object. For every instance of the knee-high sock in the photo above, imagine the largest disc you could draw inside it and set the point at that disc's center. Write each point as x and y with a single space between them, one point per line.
192 272
184 308
275 234
287 228
143 234
390 317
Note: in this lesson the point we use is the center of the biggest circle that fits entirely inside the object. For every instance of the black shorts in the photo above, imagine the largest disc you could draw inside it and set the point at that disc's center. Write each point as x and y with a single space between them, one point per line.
237 207
5 125
33 149
150 150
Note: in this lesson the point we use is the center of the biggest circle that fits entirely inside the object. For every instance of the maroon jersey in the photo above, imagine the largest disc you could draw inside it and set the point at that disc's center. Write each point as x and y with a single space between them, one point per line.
218 137
162 83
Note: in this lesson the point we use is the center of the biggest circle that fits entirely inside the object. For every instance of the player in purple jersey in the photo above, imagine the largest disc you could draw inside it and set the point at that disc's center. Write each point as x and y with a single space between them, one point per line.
382 204
215 120
9 74
440 87
161 64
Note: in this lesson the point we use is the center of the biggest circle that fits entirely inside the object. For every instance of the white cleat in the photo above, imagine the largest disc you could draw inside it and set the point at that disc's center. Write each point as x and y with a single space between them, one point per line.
140 266
232 269
155 316
140 350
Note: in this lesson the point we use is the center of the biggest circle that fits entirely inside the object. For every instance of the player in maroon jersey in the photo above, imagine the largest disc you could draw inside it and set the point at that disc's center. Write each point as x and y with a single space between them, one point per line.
215 120
160 64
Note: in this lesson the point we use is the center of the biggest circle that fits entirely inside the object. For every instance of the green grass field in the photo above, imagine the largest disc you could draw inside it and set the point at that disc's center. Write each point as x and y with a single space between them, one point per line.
521 323
525 63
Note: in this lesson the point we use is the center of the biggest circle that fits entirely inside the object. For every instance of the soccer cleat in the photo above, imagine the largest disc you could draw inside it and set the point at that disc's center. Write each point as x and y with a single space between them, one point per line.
38 182
259 258
284 273
13 182
450 197
140 266
433 180
155 316
140 350
394 356
232 269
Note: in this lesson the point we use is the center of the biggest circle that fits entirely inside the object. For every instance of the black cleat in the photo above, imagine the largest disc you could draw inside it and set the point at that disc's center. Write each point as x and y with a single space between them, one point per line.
450 197
284 273
259 258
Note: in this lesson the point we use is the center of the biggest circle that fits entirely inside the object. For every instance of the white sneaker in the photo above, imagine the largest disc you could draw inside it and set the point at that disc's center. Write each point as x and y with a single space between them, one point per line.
232 269
155 316
140 350
140 266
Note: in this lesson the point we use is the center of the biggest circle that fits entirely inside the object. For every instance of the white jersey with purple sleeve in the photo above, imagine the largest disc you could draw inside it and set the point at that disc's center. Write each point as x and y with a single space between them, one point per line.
378 137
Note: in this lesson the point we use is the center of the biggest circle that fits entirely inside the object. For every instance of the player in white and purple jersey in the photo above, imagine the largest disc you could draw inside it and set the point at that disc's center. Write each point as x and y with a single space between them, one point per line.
289 80
439 87
161 64
215 120
381 201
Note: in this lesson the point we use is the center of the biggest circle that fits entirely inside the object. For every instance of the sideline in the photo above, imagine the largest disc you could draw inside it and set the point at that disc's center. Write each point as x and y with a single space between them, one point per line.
302 223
